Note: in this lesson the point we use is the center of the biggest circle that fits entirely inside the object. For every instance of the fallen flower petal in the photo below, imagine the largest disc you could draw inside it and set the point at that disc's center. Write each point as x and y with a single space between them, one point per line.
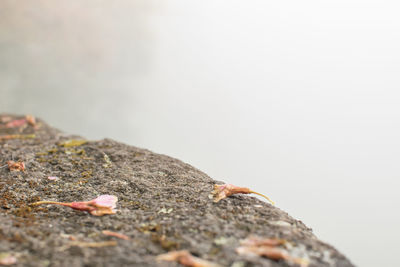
53 178
110 233
185 258
102 205
7 259
223 191
16 123
16 166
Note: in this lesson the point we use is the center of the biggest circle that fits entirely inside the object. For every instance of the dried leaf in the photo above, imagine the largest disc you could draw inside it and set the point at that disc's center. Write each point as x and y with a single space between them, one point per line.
110 233
16 166
223 191
268 247
185 258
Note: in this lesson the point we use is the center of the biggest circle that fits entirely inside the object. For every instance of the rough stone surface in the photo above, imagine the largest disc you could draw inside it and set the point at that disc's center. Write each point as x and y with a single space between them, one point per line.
163 205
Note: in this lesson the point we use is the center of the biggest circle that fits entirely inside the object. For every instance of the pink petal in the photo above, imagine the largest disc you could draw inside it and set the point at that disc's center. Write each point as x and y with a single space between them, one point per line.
106 201
7 259
16 123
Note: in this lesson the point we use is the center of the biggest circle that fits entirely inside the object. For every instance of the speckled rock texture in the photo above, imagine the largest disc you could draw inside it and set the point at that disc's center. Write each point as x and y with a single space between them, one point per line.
164 205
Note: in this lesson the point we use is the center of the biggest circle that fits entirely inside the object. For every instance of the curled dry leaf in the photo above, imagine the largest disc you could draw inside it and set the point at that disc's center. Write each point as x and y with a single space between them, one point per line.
223 191
16 166
185 258
102 205
110 233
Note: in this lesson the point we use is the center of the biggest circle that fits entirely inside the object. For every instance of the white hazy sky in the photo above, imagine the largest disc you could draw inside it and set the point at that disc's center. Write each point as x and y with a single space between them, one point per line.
297 99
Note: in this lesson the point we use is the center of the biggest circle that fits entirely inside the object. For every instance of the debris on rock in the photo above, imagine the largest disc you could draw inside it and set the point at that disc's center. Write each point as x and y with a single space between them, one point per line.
223 191
115 234
271 248
16 166
102 205
185 258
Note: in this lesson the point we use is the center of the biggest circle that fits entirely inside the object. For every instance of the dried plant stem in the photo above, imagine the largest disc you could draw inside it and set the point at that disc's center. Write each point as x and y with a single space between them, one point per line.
51 202
264 196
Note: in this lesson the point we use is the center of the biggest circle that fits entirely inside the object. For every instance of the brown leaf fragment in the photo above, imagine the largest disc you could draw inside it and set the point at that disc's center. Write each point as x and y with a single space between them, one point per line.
185 258
16 166
225 190
119 235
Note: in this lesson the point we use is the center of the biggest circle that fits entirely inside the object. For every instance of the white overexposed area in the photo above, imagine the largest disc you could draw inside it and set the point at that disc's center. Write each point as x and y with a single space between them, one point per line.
299 100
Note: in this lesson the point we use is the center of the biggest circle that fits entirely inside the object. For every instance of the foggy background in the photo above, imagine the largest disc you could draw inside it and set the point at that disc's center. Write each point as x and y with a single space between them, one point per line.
295 99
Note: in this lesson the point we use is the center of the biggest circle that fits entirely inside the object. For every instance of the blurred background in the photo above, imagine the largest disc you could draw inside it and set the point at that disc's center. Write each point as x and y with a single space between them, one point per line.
296 99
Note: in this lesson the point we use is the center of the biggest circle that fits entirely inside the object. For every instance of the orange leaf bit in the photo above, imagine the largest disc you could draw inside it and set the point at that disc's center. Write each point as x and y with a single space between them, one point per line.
16 166
102 205
185 258
225 190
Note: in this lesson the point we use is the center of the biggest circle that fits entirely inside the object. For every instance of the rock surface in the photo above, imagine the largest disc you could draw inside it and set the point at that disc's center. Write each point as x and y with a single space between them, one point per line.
164 205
